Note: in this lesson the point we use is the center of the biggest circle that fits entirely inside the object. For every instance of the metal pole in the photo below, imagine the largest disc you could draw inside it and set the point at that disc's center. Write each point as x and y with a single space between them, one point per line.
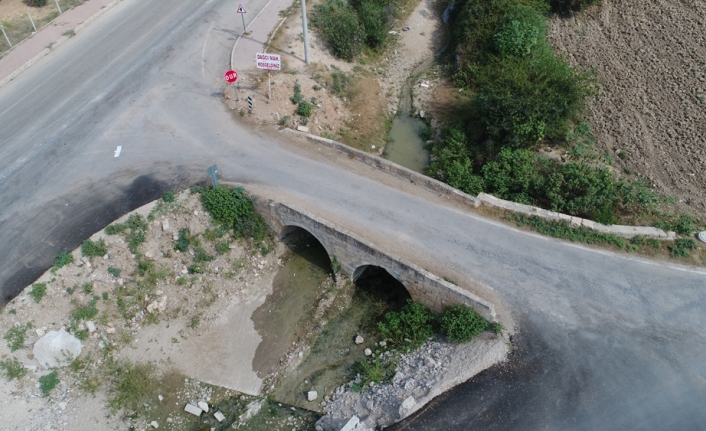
306 33
242 15
57 5
235 88
269 87
32 21
5 34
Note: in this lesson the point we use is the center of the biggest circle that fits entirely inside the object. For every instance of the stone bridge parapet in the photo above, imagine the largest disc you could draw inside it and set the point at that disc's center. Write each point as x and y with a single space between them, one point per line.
355 255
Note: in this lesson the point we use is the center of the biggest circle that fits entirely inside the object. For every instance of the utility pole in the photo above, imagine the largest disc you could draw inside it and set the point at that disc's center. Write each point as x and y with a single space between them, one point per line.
306 32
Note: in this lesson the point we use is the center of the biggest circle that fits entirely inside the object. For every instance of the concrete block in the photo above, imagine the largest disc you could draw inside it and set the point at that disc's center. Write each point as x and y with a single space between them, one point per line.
303 129
351 424
90 326
190 408
219 416
312 395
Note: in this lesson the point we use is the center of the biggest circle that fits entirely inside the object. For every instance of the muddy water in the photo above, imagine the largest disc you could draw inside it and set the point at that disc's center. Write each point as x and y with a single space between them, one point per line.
406 148
294 291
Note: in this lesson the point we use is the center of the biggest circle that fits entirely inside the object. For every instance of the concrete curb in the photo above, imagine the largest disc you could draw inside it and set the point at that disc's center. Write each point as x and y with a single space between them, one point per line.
445 190
54 45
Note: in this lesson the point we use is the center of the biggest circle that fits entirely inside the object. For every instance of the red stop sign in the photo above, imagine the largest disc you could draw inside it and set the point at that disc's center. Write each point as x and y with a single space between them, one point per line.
231 76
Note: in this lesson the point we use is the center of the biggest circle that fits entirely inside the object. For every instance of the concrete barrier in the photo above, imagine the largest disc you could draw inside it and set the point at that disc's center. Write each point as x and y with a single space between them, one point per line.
442 189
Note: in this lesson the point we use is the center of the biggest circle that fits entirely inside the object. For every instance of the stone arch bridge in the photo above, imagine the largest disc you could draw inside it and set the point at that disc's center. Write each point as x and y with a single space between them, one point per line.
355 255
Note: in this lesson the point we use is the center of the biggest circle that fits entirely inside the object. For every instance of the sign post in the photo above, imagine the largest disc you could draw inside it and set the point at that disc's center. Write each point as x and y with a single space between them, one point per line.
241 11
231 76
269 62
212 172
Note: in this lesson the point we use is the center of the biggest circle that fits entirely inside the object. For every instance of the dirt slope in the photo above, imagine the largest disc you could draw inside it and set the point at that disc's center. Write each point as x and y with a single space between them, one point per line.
650 58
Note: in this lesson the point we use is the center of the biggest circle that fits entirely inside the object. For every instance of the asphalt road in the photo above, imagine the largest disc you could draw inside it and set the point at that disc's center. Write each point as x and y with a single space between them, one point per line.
605 341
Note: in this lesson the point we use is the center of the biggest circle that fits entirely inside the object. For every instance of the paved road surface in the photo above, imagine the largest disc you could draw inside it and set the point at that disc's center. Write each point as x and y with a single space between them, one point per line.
605 341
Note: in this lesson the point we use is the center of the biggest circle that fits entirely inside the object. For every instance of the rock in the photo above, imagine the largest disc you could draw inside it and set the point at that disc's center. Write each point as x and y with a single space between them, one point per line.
57 348
165 225
184 271
311 395
154 424
203 406
253 409
40 332
90 326
405 28
406 407
368 352
110 330
219 416
359 339
175 237
319 428
422 114
429 362
62 405
160 398
190 408
382 344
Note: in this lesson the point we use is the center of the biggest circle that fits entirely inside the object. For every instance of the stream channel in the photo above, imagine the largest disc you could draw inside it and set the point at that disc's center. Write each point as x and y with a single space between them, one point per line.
287 317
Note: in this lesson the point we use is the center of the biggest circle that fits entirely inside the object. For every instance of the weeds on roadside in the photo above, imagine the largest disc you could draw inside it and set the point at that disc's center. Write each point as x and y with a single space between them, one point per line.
63 259
12 369
48 382
16 335
94 248
39 290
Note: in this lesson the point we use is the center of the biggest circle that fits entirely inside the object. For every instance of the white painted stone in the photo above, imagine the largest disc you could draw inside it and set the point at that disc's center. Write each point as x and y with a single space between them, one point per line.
368 352
57 348
219 416
359 339
90 326
154 424
351 424
190 408
312 395
203 406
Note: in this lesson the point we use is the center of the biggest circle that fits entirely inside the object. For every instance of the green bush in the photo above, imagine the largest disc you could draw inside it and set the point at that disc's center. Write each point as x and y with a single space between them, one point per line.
252 226
63 259
168 197
681 247
297 94
136 228
521 32
87 288
684 224
284 120
183 241
460 323
37 3
115 272
200 256
13 369
93 248
48 382
226 205
374 371
408 328
374 17
305 109
38 291
223 247
339 25
85 312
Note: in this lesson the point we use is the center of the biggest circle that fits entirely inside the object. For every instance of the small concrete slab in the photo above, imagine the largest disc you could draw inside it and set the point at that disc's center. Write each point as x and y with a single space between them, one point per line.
190 408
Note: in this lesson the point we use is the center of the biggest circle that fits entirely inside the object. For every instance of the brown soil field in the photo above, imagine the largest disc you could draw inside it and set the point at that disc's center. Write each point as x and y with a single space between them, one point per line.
649 57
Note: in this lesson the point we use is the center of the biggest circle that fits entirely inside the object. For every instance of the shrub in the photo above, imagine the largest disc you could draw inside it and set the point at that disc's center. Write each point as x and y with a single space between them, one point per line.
144 267
284 120
684 224
305 109
374 371
520 32
63 259
87 288
85 312
135 225
183 241
201 256
48 382
408 328
93 248
223 247
460 323
253 226
132 385
226 205
38 291
339 25
375 19
115 272
681 247
168 197
36 3
15 336
13 369
297 94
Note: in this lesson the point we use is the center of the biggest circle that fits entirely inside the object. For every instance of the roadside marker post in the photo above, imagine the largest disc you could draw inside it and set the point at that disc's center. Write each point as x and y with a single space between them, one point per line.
241 11
212 173
59 7
250 103
32 21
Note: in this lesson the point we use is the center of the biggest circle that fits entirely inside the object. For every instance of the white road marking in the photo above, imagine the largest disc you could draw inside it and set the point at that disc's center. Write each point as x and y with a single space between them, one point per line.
117 152
203 51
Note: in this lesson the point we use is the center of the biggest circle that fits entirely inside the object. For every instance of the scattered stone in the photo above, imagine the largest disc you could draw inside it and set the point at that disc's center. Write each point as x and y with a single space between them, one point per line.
368 352
406 406
56 349
382 343
319 428
175 237
422 114
110 330
160 398
90 326
62 405
154 424
311 395
203 406
405 28
165 225
219 416
429 362
190 408
359 339
40 332
351 424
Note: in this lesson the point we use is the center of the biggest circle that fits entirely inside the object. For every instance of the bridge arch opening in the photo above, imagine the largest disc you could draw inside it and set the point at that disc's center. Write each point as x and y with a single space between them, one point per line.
305 244
382 285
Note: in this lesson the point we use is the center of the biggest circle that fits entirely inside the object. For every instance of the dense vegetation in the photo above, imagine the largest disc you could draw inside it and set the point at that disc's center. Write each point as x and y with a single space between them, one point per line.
523 98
